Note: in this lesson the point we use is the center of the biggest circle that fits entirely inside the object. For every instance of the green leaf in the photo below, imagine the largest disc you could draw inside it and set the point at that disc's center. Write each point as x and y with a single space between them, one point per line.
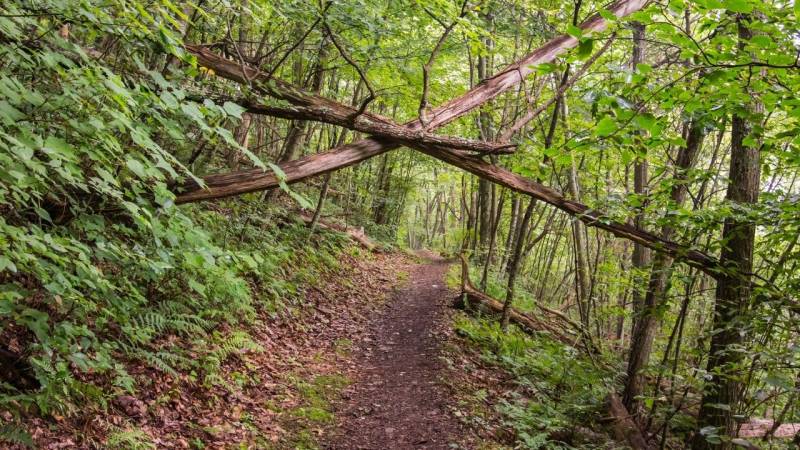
6 263
279 173
136 167
739 6
60 147
9 114
36 321
605 126
645 121
545 68
608 15
304 202
14 434
574 31
585 48
777 380
233 109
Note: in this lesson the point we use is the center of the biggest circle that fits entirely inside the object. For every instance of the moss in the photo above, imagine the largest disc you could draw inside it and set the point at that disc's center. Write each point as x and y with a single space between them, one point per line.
315 410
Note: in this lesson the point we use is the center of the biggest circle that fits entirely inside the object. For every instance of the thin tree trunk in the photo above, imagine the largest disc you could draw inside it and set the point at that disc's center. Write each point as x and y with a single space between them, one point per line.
322 195
492 240
645 326
513 266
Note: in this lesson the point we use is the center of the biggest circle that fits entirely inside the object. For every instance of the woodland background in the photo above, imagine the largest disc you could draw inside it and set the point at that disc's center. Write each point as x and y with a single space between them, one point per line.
636 174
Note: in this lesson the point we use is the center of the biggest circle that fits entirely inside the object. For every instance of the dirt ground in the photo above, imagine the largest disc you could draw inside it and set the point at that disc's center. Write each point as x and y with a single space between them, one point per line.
396 400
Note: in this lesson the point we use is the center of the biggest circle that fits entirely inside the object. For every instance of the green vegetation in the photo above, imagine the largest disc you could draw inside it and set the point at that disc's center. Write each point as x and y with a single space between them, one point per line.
638 186
554 390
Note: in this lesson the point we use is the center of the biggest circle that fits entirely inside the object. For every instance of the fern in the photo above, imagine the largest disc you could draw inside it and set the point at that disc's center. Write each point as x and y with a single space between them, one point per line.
13 434
161 360
129 439
226 346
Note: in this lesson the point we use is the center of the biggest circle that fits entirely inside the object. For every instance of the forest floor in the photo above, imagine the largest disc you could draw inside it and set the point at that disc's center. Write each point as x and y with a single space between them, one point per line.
397 398
367 360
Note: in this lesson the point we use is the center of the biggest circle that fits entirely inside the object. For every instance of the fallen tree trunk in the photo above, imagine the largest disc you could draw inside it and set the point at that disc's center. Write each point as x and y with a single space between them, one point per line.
757 428
356 234
220 185
529 324
242 182
313 107
319 109
237 183
590 217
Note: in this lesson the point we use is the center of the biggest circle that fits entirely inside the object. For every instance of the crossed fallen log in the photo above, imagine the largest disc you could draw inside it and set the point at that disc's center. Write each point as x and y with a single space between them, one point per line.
387 135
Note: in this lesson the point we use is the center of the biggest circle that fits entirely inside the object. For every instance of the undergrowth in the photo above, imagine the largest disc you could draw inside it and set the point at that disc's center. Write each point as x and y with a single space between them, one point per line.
315 410
178 297
551 389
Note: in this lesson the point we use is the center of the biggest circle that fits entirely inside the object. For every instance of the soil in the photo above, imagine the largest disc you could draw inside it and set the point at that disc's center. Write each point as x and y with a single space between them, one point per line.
397 399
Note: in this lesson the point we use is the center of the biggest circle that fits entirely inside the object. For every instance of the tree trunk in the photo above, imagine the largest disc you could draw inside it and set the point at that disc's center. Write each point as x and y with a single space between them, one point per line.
644 328
512 227
640 258
492 239
514 263
734 283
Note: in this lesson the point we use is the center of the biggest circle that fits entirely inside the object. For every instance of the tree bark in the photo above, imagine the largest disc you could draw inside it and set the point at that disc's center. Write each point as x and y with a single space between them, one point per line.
645 326
734 282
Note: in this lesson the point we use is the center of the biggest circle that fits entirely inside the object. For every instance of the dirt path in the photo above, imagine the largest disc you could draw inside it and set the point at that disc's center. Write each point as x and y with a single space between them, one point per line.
396 401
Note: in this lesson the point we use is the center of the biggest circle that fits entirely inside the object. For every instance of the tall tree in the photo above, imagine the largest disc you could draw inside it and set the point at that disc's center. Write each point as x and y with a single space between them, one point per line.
722 393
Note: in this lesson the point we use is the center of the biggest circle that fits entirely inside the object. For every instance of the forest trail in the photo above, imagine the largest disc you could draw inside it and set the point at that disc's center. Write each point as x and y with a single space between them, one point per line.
396 400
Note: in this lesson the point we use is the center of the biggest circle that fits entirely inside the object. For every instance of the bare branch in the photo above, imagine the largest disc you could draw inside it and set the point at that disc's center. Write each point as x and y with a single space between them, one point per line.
506 136
426 68
361 73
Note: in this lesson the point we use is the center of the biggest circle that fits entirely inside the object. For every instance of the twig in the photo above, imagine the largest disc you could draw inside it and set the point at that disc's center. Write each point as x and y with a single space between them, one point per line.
346 56
299 42
559 93
423 103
